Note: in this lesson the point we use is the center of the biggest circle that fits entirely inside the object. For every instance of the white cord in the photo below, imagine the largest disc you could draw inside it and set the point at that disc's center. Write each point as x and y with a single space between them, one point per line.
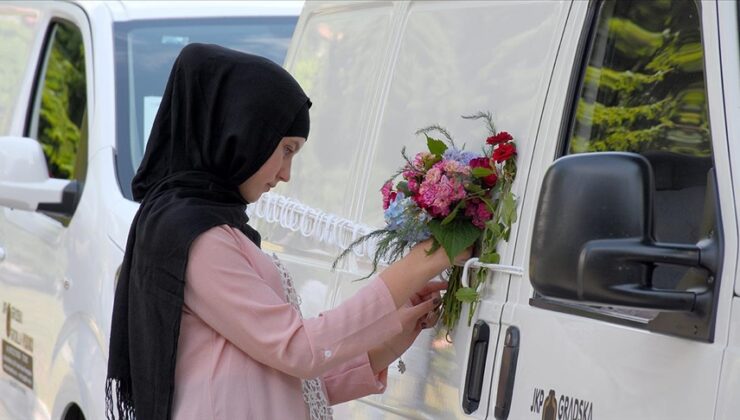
327 228
473 262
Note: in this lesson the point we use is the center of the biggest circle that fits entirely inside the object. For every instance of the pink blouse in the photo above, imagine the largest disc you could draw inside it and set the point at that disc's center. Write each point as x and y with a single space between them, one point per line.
243 348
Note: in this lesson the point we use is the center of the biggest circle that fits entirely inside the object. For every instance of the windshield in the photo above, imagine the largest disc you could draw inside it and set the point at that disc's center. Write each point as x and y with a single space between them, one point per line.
144 54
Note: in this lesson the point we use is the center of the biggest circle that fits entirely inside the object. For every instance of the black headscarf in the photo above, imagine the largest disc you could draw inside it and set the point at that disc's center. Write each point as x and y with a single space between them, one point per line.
222 115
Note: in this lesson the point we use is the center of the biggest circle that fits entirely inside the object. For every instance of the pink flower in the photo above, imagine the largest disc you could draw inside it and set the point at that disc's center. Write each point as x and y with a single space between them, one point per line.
478 211
422 159
412 180
453 167
388 194
413 185
438 192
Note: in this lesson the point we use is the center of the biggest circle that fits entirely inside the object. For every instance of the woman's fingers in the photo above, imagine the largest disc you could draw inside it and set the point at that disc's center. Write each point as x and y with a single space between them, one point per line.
431 287
464 255
430 291
425 307
432 318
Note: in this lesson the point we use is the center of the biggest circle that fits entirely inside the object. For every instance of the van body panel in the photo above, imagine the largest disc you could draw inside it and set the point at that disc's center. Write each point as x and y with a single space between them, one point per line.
728 404
421 63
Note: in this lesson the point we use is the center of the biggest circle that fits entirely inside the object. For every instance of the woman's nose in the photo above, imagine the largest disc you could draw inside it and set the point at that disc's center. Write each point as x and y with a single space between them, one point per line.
284 173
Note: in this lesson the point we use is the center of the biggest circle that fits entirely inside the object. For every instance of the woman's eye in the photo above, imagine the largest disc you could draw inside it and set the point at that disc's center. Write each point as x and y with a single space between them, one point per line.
288 150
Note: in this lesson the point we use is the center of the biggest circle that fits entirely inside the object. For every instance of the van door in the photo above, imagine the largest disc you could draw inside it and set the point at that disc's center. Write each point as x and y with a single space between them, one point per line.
640 77
379 71
42 250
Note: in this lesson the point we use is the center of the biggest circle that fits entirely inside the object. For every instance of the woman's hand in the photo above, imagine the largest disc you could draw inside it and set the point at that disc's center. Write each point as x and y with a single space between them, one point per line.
421 311
412 272
416 315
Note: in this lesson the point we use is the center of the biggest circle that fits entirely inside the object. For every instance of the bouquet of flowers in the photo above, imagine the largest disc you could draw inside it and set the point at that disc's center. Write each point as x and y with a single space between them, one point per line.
459 198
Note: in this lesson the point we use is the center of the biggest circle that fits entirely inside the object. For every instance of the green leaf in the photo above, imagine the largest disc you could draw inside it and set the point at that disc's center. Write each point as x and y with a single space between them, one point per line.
481 172
403 186
454 236
450 217
474 188
466 294
508 210
436 147
489 204
492 258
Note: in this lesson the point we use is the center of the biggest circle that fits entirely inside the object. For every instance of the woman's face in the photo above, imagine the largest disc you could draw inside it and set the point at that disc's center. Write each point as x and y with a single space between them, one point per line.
276 169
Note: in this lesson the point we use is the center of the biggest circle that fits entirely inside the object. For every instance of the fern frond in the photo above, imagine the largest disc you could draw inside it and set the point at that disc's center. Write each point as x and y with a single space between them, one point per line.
438 129
359 241
486 116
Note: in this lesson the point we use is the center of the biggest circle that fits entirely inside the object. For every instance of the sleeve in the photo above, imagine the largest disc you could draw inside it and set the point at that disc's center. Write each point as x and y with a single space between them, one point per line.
227 293
354 379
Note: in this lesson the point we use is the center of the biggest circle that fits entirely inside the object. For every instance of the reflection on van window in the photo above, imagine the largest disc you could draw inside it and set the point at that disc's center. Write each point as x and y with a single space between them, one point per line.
58 122
643 88
643 91
145 52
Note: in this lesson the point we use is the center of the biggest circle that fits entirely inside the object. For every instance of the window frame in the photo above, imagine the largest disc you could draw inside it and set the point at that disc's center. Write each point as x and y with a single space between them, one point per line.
34 105
605 313
64 212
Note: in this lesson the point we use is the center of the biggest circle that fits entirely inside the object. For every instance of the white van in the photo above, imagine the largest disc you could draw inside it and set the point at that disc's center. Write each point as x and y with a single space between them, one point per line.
618 293
81 81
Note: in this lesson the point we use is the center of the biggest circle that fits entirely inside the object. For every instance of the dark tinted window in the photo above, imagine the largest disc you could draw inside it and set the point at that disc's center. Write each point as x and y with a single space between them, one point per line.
145 52
58 118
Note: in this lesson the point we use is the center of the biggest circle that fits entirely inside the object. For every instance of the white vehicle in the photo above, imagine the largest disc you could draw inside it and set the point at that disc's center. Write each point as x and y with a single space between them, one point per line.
81 81
618 294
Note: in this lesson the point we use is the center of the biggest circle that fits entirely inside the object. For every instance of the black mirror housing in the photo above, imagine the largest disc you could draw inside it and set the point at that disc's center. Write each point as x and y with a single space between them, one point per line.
593 235
586 197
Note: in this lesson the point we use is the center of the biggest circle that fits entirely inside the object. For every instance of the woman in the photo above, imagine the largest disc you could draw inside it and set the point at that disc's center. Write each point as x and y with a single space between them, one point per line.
205 325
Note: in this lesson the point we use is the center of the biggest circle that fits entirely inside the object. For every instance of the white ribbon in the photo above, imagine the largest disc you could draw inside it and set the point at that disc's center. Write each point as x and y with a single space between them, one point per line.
326 228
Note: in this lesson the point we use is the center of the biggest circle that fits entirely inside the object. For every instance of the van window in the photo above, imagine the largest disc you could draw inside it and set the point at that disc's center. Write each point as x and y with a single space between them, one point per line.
144 54
643 91
58 119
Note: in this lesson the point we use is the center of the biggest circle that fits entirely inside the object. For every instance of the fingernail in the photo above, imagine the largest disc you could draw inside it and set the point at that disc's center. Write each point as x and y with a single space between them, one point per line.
437 300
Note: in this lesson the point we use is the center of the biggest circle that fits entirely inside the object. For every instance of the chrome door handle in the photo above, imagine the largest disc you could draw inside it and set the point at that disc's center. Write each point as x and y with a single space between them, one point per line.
2 253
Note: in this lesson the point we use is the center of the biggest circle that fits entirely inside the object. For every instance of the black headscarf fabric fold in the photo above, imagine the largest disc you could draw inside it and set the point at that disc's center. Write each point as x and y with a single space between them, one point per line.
222 115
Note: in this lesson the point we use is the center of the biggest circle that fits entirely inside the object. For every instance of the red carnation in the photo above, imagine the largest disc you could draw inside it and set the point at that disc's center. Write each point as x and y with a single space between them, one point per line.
500 137
504 152
483 162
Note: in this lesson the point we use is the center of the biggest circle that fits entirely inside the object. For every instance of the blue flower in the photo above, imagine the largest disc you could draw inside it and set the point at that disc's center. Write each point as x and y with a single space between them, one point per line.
394 214
462 156
406 218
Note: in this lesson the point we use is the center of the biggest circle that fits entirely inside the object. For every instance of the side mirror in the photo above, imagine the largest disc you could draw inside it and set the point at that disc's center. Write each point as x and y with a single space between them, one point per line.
593 236
25 182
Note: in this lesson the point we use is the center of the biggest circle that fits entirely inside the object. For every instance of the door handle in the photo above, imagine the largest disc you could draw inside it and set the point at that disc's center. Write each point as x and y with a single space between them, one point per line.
2 254
508 372
476 367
